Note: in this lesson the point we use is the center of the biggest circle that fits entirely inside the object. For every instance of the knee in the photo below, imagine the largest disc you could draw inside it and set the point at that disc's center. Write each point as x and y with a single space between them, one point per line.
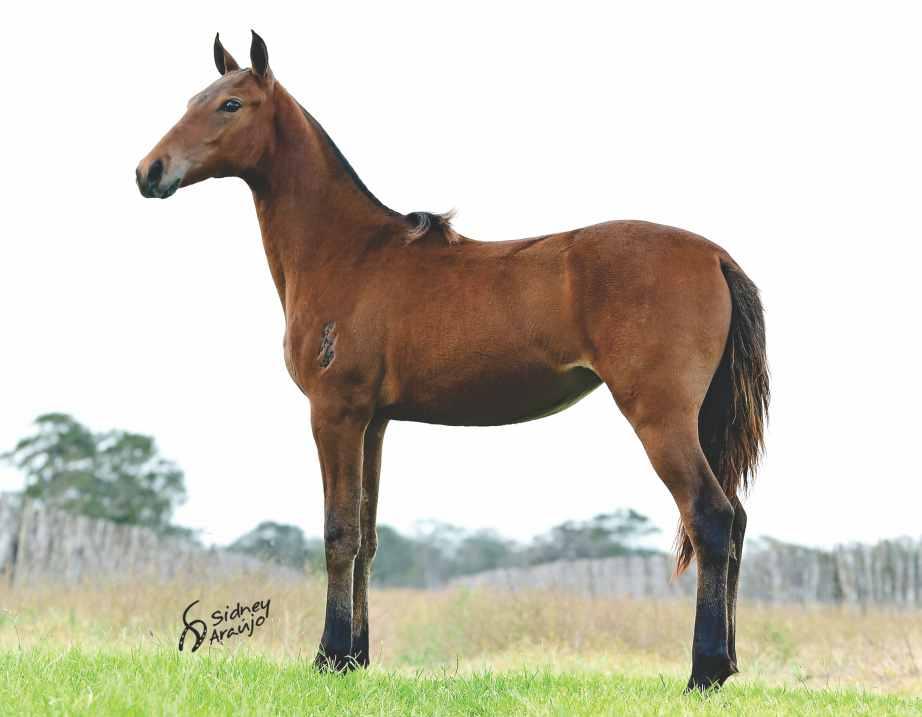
342 543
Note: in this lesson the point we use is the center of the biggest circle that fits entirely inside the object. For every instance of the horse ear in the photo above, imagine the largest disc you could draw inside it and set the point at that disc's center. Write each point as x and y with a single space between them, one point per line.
222 58
259 56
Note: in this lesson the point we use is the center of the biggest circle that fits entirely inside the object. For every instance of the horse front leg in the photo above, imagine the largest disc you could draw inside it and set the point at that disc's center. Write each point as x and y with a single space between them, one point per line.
339 436
371 472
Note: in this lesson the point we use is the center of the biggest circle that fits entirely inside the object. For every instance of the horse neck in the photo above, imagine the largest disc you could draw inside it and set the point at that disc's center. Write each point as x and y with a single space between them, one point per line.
311 207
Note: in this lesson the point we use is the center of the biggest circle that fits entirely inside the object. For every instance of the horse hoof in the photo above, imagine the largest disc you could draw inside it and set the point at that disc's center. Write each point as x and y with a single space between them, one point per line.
710 673
360 660
330 662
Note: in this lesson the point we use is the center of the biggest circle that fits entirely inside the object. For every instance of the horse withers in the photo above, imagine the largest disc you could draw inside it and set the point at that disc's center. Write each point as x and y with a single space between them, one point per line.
398 317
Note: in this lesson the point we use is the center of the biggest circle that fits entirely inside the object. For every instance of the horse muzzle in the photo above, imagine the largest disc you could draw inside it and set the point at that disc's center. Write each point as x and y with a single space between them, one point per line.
153 181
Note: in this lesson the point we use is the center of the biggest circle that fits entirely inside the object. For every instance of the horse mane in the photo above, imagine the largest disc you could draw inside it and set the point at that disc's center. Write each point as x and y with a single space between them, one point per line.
423 222
427 221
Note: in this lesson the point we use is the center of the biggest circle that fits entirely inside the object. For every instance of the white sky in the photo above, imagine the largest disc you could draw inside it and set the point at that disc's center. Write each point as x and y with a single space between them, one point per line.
789 134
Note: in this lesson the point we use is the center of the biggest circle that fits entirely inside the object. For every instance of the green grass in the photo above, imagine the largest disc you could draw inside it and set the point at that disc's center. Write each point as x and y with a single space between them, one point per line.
147 681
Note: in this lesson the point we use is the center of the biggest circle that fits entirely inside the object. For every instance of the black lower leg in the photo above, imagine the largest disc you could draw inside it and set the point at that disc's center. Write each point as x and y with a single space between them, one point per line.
737 534
336 643
712 523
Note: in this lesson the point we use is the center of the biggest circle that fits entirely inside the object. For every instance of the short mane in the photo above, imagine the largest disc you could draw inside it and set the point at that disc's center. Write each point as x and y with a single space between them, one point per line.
423 222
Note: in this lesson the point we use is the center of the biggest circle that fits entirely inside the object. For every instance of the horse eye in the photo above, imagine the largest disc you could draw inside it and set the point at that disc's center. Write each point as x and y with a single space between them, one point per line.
231 106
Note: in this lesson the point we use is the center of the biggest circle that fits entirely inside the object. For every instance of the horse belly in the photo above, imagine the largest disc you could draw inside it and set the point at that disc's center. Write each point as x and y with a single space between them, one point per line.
495 397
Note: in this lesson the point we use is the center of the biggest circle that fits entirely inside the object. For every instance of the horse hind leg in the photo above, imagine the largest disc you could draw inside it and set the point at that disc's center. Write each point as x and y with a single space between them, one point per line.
673 447
738 533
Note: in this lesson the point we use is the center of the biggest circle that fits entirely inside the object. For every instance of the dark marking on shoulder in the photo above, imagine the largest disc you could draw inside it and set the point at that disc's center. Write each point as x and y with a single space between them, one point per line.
327 344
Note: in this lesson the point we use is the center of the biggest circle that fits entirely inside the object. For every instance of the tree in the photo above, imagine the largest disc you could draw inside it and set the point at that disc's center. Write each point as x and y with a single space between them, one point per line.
483 550
605 535
397 561
280 543
116 475
434 554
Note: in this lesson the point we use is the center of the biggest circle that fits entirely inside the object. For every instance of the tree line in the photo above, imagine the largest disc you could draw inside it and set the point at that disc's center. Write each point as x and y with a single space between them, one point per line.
436 552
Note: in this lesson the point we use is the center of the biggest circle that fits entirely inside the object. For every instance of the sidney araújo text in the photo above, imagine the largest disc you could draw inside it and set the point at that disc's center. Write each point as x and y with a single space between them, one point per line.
241 619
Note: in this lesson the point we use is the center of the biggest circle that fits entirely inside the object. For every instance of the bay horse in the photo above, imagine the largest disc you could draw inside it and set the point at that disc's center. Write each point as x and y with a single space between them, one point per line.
399 317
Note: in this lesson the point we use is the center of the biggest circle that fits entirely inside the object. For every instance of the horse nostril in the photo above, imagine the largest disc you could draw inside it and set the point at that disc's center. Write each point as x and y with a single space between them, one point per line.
155 172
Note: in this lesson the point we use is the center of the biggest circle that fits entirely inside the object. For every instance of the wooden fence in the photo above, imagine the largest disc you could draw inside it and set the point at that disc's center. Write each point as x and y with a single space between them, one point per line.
41 545
888 573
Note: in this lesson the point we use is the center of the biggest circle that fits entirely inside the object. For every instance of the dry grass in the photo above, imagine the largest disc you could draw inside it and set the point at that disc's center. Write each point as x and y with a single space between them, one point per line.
468 631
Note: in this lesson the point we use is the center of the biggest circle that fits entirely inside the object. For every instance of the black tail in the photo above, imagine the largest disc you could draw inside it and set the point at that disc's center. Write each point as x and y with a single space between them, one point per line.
731 423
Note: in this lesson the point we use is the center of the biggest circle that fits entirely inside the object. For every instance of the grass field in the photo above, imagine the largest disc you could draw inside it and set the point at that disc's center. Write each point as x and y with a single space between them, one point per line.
114 651
153 682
